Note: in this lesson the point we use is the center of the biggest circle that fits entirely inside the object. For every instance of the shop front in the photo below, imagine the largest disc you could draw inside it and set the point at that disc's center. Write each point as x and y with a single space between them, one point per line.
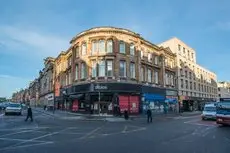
153 98
105 98
171 99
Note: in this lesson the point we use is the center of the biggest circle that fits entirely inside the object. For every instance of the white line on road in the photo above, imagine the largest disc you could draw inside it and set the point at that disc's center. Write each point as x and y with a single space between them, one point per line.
30 145
32 140
125 129
90 133
1 115
16 133
21 140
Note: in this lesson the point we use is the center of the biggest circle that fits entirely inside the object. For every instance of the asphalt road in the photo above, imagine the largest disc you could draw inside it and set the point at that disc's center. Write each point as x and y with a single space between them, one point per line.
52 135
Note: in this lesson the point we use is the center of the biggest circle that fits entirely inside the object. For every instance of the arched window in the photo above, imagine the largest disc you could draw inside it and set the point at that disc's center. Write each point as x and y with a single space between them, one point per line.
83 49
101 46
132 51
110 46
122 47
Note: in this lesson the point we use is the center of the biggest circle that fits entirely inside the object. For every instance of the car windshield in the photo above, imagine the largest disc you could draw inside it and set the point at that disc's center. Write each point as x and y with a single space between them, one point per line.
210 109
14 105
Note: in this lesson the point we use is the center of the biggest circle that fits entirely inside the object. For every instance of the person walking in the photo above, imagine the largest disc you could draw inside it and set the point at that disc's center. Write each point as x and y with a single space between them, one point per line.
149 116
126 115
29 114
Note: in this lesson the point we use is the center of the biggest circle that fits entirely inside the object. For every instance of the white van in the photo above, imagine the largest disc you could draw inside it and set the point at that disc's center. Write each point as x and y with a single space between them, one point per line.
209 112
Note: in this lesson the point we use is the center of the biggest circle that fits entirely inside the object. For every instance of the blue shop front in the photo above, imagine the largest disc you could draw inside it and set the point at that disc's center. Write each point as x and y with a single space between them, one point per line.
171 98
153 98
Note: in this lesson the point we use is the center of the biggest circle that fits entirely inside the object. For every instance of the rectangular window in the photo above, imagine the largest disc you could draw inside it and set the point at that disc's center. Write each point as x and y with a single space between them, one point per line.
190 85
109 68
101 66
156 77
186 84
142 75
122 69
109 46
94 69
142 54
149 75
181 72
132 70
156 60
76 72
190 75
182 83
172 80
178 47
77 51
132 50
194 85
83 71
94 47
149 57
83 49
70 81
101 46
186 73
122 47
166 78
183 50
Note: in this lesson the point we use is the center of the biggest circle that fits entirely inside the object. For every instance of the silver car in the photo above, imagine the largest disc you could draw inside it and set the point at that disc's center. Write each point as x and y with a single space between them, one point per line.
13 108
209 112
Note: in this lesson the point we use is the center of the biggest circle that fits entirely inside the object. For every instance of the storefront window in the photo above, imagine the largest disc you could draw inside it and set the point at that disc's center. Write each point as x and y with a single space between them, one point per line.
109 68
101 68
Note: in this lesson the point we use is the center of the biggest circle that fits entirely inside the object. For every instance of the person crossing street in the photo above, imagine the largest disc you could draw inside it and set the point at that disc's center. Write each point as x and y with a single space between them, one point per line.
29 114
149 116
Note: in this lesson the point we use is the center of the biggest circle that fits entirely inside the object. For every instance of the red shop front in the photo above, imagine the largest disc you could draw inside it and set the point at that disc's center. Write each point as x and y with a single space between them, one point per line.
129 103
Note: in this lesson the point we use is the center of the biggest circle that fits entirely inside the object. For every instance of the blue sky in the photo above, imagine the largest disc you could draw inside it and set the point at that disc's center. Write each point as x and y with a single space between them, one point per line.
33 30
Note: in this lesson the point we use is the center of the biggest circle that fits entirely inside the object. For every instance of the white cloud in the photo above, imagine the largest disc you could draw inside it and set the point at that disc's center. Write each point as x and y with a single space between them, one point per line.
32 41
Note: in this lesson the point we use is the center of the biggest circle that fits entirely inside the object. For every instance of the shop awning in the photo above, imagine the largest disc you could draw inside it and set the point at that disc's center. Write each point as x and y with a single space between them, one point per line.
171 100
153 97
78 96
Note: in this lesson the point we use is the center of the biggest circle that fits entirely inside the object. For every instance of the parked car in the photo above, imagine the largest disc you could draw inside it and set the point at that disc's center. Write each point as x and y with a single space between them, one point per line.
209 112
13 108
3 105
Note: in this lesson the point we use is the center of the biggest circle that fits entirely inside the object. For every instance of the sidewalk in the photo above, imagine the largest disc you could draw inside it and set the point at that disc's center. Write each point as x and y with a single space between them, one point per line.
92 117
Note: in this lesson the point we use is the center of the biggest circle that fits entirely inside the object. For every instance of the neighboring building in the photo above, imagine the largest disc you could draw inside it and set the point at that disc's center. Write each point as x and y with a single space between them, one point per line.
108 67
34 93
195 83
223 89
2 99
46 88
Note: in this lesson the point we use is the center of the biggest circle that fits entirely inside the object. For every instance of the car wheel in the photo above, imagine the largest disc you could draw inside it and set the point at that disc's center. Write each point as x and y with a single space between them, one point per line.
6 114
203 118
20 113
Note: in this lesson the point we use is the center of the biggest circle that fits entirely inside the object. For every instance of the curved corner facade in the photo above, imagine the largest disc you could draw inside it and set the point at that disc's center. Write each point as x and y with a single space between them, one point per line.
109 69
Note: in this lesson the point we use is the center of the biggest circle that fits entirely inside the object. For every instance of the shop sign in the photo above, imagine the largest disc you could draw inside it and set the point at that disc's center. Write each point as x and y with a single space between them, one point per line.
171 93
100 87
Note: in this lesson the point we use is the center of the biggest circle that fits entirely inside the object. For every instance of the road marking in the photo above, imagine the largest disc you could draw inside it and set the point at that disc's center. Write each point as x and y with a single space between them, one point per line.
31 140
125 129
30 145
16 133
90 133
1 115
22 140
25 128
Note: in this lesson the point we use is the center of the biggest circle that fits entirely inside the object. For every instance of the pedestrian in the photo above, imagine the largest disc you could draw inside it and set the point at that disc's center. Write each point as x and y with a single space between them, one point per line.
149 116
126 115
29 114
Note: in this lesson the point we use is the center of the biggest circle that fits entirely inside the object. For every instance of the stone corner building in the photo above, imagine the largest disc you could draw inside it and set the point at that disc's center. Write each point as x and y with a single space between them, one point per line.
106 68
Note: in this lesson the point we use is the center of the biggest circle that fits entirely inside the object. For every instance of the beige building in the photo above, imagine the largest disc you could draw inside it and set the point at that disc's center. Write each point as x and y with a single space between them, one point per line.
223 90
117 62
46 94
195 83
